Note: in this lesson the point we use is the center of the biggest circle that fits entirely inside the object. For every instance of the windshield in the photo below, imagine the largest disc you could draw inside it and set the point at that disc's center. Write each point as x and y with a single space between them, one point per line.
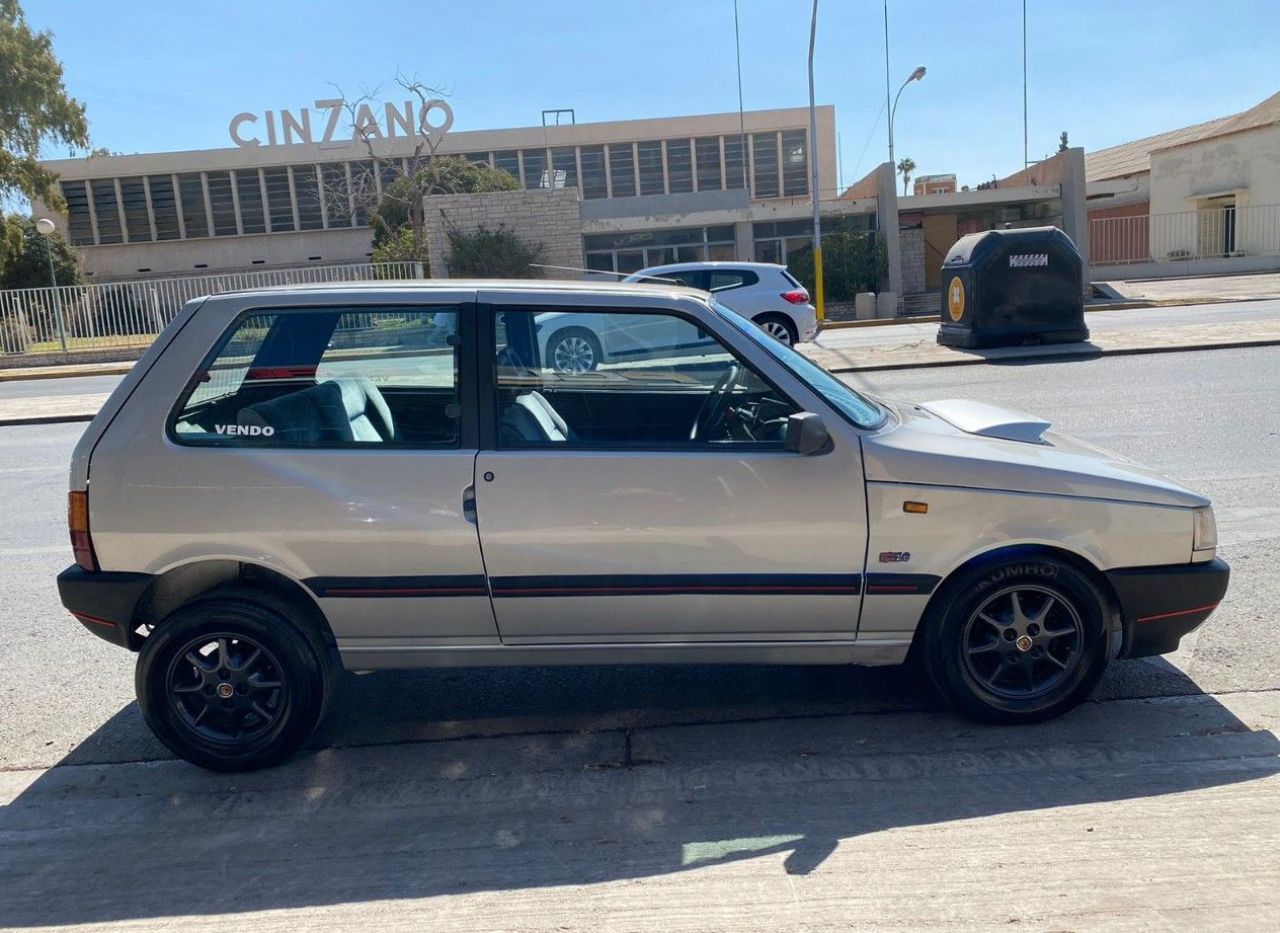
859 409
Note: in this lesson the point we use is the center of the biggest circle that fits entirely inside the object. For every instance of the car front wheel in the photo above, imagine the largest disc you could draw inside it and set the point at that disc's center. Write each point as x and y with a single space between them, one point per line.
778 327
1021 640
231 684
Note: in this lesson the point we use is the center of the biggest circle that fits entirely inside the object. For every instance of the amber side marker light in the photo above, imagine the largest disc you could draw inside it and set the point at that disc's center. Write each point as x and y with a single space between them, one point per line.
78 525
915 508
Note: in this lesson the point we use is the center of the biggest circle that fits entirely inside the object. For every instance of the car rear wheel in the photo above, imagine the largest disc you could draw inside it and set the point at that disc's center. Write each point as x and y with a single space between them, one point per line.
232 684
573 350
779 327
1021 640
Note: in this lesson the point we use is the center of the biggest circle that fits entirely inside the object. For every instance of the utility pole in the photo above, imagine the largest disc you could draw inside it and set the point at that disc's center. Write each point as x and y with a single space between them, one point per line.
813 177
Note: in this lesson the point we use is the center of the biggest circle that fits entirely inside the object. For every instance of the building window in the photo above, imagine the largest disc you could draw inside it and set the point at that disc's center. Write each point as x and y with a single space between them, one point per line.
164 206
649 159
795 164
337 196
479 158
79 220
194 219
764 159
593 172
388 172
564 163
306 187
249 190
679 166
625 253
222 204
535 168
622 170
779 241
279 201
137 222
708 158
104 207
508 161
735 169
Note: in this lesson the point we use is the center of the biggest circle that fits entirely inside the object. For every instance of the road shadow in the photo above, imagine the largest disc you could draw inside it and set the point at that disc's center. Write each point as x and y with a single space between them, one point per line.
1035 354
605 789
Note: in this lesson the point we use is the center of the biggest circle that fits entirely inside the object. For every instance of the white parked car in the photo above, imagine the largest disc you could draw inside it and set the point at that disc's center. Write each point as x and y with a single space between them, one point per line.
763 292
294 481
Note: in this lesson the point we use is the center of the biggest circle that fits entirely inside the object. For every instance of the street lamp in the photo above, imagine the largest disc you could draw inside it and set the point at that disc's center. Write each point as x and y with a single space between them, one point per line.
45 227
917 75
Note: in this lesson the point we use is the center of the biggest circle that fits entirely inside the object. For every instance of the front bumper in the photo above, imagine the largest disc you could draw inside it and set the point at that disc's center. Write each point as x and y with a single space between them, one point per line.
1161 604
104 601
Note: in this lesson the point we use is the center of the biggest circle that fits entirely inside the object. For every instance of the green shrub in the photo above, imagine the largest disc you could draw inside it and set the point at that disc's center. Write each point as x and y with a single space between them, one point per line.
493 254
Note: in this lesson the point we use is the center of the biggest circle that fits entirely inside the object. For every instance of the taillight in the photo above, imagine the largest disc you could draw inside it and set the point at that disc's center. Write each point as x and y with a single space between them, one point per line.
78 524
797 296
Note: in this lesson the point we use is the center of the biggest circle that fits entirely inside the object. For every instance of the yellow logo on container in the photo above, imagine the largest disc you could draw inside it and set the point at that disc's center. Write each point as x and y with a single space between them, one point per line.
955 298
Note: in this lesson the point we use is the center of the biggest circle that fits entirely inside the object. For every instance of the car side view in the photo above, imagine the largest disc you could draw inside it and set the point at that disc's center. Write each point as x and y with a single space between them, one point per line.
401 475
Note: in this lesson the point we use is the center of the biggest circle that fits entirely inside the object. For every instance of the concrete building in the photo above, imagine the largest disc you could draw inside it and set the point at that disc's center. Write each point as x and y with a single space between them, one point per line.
716 186
934 184
1206 197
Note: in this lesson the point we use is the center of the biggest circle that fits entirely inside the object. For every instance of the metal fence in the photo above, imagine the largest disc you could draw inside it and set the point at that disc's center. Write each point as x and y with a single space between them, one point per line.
1202 234
132 313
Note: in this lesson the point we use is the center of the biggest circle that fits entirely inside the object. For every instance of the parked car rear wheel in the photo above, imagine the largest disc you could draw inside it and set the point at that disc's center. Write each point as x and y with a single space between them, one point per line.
231 684
779 327
1021 640
573 350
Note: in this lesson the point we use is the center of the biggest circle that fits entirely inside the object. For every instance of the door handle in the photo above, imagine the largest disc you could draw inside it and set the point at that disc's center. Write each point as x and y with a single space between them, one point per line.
469 504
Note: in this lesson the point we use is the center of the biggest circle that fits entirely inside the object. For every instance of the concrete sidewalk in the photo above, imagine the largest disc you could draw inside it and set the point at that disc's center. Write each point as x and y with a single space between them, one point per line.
865 349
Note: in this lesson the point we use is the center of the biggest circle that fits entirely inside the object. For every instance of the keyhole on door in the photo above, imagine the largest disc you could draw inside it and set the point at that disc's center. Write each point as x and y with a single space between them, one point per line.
488 477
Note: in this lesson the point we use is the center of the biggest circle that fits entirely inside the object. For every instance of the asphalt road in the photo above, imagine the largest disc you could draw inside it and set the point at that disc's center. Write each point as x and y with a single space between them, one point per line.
583 780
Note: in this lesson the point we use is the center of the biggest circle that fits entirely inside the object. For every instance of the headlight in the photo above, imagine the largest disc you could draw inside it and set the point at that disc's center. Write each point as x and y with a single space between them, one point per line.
1205 537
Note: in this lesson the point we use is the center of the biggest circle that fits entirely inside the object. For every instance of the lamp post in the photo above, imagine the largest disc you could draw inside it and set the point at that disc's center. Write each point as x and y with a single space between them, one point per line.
45 227
916 75
818 302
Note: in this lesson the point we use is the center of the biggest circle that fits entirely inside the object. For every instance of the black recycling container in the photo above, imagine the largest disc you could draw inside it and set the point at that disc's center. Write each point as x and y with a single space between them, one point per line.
1007 287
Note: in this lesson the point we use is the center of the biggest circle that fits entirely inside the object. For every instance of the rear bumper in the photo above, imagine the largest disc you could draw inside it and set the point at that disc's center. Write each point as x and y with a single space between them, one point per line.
1161 604
103 601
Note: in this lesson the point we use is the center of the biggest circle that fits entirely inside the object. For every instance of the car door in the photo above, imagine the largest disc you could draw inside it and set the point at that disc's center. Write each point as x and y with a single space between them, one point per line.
338 443
602 520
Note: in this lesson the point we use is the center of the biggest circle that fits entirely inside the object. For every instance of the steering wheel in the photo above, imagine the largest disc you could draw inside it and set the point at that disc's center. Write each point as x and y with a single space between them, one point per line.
716 404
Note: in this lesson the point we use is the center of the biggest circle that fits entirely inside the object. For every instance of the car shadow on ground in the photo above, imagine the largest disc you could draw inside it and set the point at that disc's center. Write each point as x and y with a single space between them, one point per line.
579 777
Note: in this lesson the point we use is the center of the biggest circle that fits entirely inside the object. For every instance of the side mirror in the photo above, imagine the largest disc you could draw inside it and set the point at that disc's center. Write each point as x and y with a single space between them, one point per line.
806 434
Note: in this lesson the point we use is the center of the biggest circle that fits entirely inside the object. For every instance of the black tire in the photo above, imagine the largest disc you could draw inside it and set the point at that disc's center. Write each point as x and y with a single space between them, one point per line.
574 362
772 324
263 682
1049 651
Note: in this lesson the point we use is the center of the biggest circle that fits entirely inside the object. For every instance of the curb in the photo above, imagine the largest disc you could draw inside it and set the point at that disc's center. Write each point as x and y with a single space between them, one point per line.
47 419
18 374
932 317
1066 350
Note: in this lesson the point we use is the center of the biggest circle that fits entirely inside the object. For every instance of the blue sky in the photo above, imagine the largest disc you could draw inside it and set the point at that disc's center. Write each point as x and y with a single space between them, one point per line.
163 76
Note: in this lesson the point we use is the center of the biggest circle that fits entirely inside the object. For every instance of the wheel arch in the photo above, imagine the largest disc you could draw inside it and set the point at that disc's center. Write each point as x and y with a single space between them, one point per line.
944 590
184 583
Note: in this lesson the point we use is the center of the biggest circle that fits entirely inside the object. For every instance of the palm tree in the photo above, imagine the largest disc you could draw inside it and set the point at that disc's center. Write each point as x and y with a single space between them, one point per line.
906 166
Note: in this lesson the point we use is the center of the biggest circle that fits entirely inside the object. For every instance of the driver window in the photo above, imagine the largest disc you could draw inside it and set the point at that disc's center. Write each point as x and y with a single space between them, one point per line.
614 380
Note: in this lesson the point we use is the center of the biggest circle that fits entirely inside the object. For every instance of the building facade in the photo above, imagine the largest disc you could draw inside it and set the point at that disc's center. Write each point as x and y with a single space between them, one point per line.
715 186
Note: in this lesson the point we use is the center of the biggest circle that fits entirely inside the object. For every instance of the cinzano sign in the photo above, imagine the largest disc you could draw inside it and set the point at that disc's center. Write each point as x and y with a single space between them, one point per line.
284 127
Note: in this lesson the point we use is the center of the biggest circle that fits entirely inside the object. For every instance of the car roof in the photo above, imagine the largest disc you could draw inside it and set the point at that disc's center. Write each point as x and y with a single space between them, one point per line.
716 264
427 286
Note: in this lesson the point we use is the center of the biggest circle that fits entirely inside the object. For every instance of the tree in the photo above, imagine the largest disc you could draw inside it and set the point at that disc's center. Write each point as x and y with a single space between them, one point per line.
395 238
906 166
34 108
24 260
1063 145
492 254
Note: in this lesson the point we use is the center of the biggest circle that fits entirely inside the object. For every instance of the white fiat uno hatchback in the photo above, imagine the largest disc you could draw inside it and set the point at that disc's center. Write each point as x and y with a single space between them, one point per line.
392 476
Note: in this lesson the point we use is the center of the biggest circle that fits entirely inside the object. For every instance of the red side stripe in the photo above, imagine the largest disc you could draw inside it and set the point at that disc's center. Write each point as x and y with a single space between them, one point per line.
1180 612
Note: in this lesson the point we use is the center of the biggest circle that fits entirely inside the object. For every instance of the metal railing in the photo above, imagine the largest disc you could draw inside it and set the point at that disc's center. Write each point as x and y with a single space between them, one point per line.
1202 234
131 313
